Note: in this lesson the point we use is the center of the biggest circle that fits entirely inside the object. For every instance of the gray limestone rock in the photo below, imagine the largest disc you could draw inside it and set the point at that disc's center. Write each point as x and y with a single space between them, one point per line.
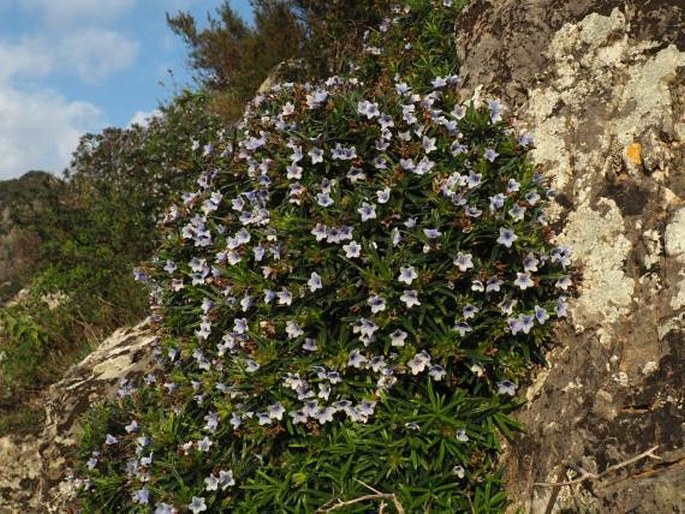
601 86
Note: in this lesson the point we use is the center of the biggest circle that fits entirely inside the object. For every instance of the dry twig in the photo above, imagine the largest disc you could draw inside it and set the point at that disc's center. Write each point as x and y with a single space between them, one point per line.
369 497
587 475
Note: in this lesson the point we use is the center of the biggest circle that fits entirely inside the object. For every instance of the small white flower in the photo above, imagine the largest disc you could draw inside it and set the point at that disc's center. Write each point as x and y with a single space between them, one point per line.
367 211
461 435
419 362
197 505
383 195
464 261
398 337
352 249
293 330
407 275
314 282
211 482
410 298
376 303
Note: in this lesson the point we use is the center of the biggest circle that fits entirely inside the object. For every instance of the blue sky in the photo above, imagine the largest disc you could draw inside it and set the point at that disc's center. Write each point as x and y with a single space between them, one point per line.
68 67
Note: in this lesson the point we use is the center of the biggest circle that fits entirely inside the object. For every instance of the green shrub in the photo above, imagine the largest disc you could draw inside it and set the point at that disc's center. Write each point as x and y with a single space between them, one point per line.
346 303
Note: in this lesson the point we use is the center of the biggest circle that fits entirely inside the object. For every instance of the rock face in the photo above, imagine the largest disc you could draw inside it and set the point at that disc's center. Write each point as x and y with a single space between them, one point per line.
34 471
601 86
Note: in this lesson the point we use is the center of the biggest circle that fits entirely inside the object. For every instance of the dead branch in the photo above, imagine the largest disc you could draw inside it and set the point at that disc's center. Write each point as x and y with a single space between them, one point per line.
587 475
369 497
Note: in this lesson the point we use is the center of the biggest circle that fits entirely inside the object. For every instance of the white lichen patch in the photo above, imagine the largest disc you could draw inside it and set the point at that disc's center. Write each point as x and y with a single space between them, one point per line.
600 248
594 59
674 236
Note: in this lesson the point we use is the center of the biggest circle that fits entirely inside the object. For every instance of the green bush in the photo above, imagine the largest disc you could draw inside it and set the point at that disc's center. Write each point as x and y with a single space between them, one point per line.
346 303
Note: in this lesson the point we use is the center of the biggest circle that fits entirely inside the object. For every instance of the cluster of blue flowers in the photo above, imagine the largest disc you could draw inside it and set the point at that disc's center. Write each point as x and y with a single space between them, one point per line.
343 243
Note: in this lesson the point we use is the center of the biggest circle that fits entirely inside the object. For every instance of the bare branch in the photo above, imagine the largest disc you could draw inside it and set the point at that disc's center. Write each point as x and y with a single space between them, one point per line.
369 497
587 475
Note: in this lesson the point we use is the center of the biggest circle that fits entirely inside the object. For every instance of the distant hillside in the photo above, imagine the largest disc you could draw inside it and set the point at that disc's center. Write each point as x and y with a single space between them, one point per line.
20 200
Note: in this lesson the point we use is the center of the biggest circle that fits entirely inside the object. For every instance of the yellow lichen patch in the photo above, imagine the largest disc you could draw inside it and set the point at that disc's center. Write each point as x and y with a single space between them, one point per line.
634 153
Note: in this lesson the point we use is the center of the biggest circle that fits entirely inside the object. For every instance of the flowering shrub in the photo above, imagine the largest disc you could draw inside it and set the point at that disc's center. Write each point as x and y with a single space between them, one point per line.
345 304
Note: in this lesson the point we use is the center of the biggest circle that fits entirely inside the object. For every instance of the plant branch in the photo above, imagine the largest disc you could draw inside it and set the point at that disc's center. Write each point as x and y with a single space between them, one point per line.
587 475
369 497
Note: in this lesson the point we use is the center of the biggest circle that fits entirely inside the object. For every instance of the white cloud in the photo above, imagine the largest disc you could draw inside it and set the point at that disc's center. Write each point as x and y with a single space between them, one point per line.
96 53
40 127
24 59
74 12
142 118
40 130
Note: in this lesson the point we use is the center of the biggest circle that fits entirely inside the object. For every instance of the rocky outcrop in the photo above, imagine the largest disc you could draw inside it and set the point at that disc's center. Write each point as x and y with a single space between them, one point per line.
34 471
601 86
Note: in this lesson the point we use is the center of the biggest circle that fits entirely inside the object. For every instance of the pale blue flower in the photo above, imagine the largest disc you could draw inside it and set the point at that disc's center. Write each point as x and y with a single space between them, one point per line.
408 164
197 505
429 144
493 284
458 112
437 372
357 360
352 250
517 212
513 186
251 366
541 315
497 201
368 109
324 200
470 311
293 330
464 261
462 327
398 337
376 303
316 155
299 416
506 237
561 307
530 263
407 275
141 496
532 198
506 387
367 211
211 482
563 283
212 421
490 154
432 233
285 297
204 444
294 172
495 108
309 345
355 174
164 508
314 282
523 281
419 362
383 195
525 140
477 286
410 298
